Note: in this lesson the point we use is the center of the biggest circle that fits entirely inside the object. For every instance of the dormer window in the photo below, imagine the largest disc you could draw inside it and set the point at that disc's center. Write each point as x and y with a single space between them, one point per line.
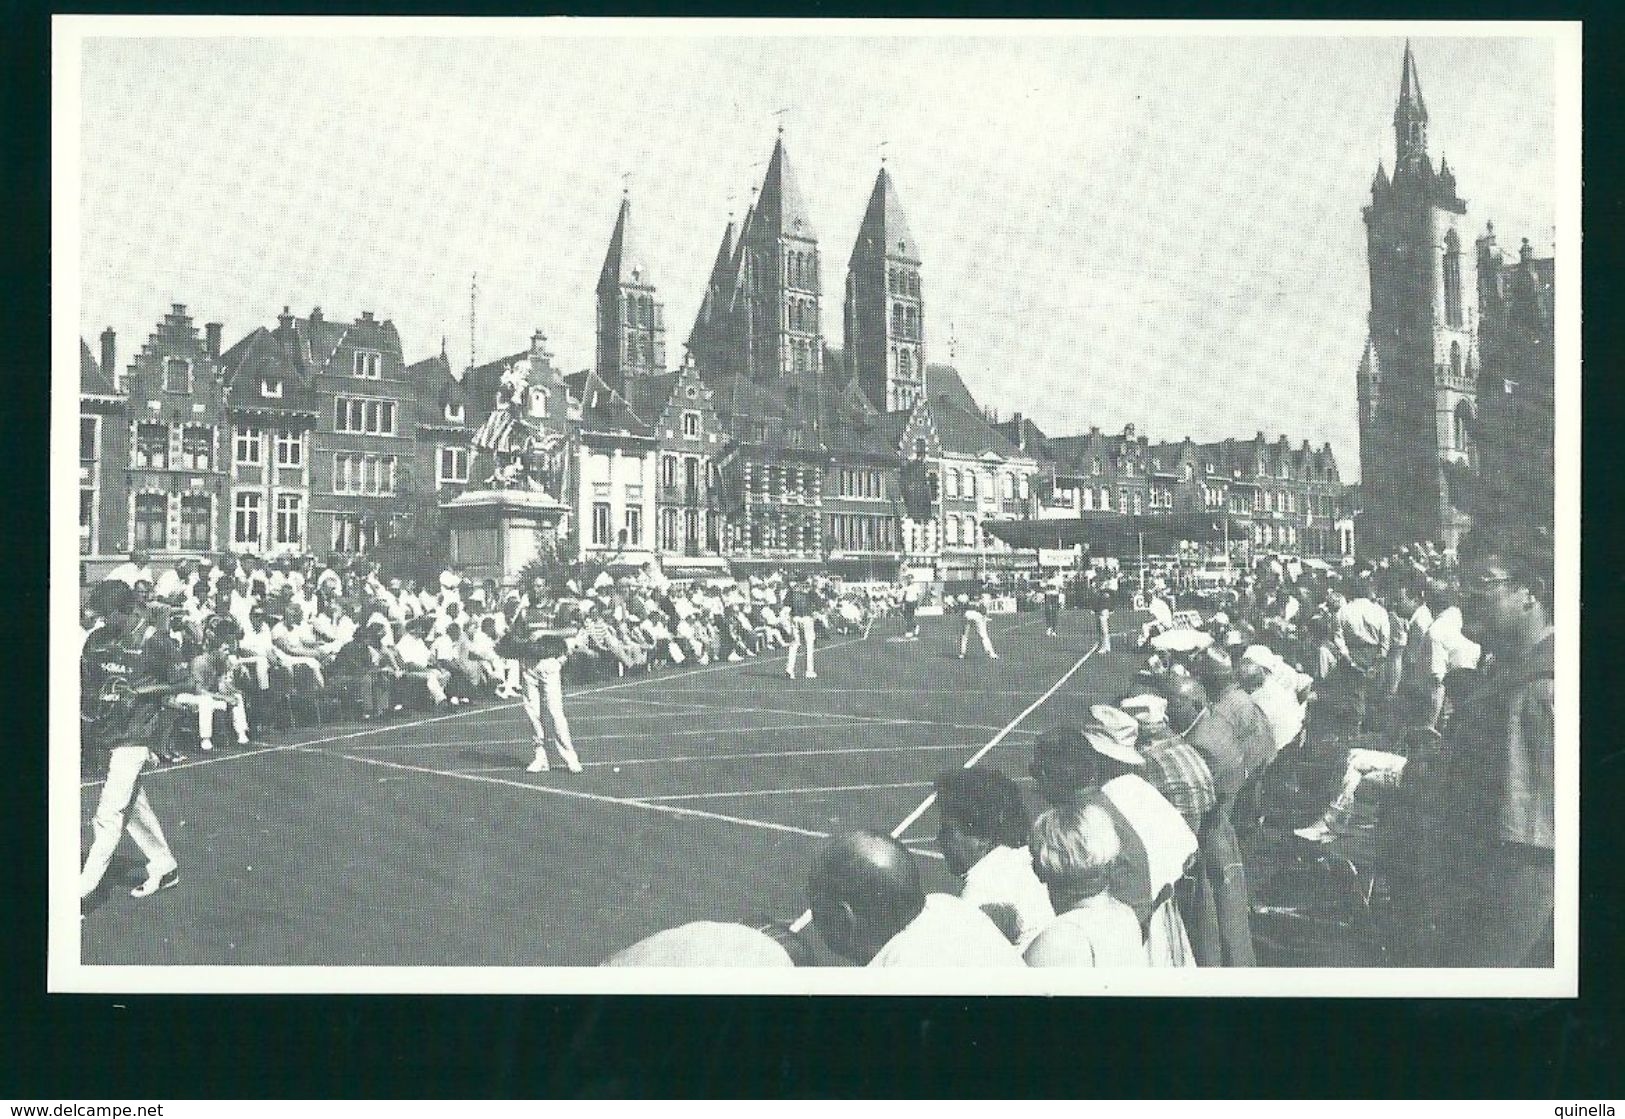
271 388
538 402
454 413
691 425
369 364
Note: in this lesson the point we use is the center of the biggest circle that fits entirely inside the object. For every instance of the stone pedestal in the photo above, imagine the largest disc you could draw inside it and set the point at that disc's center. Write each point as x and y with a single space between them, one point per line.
495 533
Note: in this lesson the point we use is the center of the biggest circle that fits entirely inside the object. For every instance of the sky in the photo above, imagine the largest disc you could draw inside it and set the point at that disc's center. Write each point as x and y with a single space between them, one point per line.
1162 231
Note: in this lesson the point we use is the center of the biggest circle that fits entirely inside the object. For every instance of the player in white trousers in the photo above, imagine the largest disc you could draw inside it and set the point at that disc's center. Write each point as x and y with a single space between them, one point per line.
129 671
802 604
976 618
541 649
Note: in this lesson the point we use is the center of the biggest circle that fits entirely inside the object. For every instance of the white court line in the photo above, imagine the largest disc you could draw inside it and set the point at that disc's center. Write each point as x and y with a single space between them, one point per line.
616 763
481 710
590 738
781 792
857 720
222 757
801 921
576 794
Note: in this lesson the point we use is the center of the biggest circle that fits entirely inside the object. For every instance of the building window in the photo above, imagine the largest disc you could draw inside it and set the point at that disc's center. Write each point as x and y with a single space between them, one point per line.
245 519
247 446
1096 466
152 446
691 474
691 529
150 530
600 524
668 529
634 527
87 438
195 510
1452 279
454 413
453 465
668 471
357 415
369 364
288 512
177 375
290 448
1024 483
970 483
87 519
354 534
953 482
1190 471
538 402
270 388
691 425
364 474
197 446
1009 487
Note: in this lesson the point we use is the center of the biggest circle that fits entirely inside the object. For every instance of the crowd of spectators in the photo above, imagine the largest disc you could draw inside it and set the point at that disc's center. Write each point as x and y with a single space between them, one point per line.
296 639
1420 684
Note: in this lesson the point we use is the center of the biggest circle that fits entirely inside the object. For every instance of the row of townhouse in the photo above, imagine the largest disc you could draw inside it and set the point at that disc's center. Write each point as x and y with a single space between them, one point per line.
766 447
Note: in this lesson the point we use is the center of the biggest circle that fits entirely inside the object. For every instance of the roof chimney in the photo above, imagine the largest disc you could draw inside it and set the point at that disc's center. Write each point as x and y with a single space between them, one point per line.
1021 431
315 314
211 338
284 321
110 356
366 316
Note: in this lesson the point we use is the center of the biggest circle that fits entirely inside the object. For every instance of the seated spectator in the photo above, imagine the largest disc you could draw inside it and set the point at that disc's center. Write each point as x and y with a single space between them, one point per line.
297 646
869 905
983 834
1073 852
481 649
418 663
1174 767
213 687
463 676
366 669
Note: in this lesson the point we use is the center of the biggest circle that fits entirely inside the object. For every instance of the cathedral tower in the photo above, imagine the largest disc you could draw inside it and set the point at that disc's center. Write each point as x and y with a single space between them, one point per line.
631 320
1417 377
780 270
885 335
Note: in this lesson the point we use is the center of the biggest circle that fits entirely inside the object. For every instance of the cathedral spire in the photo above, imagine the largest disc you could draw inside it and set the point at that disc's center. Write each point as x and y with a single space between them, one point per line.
1410 114
884 227
780 203
623 262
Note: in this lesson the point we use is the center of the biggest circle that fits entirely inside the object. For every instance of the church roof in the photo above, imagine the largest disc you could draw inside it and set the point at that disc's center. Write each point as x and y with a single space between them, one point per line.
943 383
884 229
780 204
624 262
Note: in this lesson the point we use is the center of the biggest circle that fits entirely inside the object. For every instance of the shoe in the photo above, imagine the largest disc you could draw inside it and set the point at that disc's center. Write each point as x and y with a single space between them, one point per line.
206 745
811 675
734 658
961 656
789 674
157 882
1316 832
538 764
993 656
571 761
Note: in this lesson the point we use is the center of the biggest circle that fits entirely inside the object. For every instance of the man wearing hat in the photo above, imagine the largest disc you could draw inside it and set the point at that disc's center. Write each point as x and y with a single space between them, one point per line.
1172 765
1098 764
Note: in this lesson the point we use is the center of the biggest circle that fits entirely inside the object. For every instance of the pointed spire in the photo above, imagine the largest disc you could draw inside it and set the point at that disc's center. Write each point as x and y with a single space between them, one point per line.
1410 86
780 203
623 263
884 228
1379 182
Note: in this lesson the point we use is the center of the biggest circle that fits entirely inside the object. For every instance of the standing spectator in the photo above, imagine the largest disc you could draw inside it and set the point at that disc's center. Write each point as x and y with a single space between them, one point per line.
1098 765
1361 640
911 609
1445 649
1172 765
869 905
982 833
137 569
1074 850
1500 787
540 648
1053 596
130 670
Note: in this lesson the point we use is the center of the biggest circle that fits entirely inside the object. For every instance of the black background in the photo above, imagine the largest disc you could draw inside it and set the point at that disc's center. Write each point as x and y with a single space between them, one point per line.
145 1047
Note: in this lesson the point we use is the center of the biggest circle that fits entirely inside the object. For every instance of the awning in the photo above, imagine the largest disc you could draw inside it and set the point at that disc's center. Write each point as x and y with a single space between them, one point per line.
1118 534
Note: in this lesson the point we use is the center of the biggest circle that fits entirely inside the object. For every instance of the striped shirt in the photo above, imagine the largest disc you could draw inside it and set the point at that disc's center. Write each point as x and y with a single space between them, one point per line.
1177 771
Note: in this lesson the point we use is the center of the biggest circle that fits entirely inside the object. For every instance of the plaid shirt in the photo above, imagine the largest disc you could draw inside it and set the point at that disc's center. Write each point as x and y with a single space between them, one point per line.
1178 772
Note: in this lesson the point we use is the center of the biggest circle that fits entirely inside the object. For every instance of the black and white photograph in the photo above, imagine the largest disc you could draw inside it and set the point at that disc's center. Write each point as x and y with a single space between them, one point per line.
779 506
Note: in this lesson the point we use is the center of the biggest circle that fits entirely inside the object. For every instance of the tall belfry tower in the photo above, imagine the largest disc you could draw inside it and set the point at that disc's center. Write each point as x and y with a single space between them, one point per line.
1418 375
631 320
885 333
780 271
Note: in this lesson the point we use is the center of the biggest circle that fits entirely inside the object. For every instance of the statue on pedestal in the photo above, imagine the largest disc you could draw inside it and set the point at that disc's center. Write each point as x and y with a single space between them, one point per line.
526 456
